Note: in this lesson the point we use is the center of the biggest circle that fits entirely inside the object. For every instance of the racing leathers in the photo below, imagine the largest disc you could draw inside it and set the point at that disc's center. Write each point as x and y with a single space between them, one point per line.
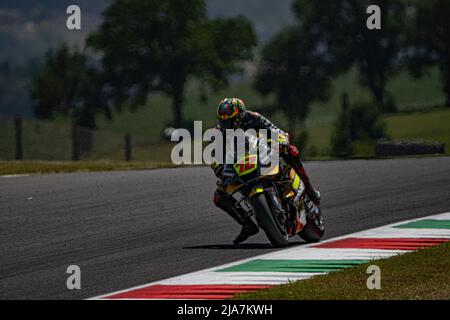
290 153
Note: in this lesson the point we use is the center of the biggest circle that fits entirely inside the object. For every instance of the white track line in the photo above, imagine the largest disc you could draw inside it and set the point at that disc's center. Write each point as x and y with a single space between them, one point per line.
211 276
8 176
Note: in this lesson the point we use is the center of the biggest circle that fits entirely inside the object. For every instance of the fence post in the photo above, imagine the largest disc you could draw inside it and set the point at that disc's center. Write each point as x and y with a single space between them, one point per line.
128 148
75 144
345 104
19 142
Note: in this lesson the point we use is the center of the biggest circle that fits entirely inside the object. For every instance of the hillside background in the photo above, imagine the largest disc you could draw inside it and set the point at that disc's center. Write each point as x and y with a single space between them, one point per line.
28 28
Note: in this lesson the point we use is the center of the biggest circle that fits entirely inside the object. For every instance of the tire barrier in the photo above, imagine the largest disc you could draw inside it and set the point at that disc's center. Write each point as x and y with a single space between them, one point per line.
385 147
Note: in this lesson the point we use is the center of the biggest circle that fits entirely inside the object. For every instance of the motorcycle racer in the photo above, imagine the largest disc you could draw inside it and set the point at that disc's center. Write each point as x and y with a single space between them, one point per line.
232 114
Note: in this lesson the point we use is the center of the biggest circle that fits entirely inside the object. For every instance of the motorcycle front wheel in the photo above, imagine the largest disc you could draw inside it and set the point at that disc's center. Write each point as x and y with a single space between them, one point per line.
268 222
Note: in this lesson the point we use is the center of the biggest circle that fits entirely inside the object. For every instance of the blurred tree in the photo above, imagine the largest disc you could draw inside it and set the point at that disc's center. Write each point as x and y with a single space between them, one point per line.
429 40
67 86
329 38
341 141
157 45
342 25
357 122
5 78
14 92
296 68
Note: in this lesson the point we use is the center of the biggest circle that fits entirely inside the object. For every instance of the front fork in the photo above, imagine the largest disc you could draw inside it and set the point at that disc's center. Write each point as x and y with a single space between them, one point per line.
275 201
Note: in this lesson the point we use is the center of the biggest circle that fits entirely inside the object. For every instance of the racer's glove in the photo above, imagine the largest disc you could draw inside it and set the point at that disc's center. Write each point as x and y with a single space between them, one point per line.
283 141
218 169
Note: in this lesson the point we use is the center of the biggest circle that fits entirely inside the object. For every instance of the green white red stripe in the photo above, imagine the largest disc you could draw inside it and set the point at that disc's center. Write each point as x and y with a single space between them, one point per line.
297 263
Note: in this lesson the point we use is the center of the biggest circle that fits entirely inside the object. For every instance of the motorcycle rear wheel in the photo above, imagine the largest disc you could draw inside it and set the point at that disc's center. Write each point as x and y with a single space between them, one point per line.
267 221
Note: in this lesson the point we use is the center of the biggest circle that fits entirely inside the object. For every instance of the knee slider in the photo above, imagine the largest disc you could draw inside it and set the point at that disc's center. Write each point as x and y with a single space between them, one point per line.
217 198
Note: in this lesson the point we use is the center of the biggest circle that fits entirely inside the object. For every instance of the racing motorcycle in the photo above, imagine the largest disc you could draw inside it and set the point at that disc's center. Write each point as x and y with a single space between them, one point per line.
270 196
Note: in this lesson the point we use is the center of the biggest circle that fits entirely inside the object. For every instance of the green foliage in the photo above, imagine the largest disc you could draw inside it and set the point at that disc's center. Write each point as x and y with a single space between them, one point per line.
67 86
365 122
360 122
342 24
329 38
156 45
14 97
428 40
296 71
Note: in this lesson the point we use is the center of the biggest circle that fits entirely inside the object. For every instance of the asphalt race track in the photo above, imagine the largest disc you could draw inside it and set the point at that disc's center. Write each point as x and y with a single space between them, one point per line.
129 228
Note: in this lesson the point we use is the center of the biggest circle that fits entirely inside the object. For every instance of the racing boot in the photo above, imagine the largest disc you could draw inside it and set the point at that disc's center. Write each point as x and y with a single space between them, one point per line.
312 193
248 229
292 157
228 204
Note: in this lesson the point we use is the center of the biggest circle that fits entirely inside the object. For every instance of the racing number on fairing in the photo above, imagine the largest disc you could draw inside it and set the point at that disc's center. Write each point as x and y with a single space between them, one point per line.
246 165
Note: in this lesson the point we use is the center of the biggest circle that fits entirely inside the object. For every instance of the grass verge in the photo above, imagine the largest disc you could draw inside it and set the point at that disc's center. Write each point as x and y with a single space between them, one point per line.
422 274
432 125
34 167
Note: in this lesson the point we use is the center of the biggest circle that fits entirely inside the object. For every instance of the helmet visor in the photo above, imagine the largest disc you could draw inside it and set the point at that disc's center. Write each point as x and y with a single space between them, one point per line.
228 124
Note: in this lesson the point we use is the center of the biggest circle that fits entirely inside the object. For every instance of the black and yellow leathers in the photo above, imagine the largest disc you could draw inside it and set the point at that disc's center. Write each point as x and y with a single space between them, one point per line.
290 153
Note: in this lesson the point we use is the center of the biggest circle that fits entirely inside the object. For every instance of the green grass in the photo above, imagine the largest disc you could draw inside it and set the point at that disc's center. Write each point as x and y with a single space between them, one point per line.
422 274
38 167
51 140
151 119
408 92
433 125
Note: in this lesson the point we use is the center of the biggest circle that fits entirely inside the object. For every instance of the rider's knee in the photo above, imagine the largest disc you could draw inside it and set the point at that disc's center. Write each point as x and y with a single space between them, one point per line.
291 155
290 152
218 196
